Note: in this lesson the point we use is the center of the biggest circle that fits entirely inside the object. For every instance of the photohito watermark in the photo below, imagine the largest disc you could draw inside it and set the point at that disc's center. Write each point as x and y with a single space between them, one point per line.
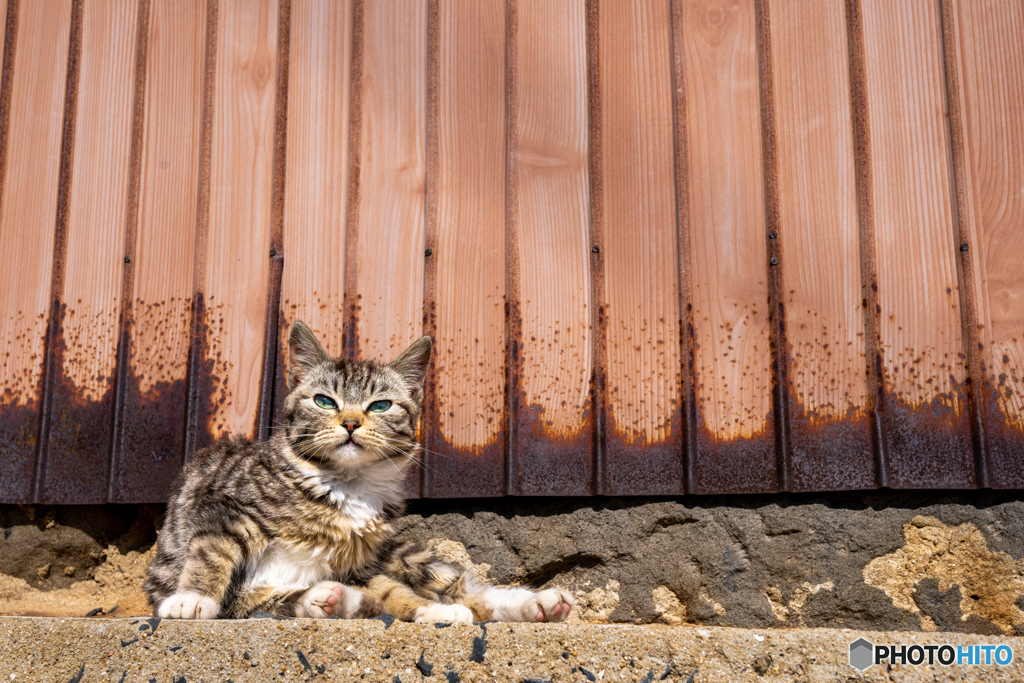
864 653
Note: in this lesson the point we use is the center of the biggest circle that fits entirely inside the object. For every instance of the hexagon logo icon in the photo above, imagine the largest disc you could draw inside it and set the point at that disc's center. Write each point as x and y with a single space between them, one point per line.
861 654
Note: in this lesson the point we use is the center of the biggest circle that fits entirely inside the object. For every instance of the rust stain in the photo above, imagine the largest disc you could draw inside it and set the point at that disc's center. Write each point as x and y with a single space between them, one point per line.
76 462
930 441
209 393
152 446
449 470
827 449
471 460
640 466
19 434
745 464
553 463
1005 438
831 453
543 459
466 472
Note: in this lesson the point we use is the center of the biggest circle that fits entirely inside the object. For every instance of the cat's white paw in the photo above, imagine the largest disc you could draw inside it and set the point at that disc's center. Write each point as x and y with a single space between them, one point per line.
188 606
437 612
330 599
548 605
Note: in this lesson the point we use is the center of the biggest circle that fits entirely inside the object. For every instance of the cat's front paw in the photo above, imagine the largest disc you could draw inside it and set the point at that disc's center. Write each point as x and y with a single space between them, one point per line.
330 599
548 605
437 613
188 606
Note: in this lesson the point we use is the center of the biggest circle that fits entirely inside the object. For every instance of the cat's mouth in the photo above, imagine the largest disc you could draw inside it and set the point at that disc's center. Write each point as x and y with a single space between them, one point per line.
349 448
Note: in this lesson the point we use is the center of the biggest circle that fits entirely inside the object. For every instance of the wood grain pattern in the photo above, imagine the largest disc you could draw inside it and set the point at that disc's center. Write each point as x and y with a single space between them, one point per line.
389 235
81 410
549 242
729 258
919 318
161 326
469 230
316 176
235 277
644 430
27 224
507 137
820 242
990 60
98 198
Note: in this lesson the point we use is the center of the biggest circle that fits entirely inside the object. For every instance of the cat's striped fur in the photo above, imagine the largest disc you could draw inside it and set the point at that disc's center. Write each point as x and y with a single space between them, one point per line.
300 525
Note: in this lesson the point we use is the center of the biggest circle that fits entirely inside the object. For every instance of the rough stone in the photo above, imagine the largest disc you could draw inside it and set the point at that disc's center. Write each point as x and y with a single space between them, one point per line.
952 556
873 561
792 561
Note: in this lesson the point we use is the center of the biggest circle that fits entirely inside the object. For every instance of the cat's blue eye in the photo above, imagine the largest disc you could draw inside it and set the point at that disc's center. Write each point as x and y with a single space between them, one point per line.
379 406
325 402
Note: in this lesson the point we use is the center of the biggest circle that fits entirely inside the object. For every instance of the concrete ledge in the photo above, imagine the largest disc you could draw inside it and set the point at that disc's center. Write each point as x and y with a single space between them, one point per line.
122 650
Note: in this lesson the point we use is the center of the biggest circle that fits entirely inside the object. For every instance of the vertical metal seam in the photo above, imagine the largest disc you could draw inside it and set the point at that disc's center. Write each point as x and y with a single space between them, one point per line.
597 279
961 231
351 297
431 418
421 431
271 334
199 328
866 228
59 243
777 315
130 242
681 168
513 312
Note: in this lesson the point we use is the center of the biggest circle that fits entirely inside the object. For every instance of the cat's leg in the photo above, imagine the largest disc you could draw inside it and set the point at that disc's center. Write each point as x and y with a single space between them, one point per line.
419 569
324 600
502 603
402 602
413 585
204 579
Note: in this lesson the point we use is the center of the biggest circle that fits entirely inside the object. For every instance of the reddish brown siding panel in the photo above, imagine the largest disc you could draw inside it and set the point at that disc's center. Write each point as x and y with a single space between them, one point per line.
234 279
32 142
663 246
818 235
152 436
638 242
85 348
316 174
990 74
389 234
466 233
925 413
389 227
549 257
736 444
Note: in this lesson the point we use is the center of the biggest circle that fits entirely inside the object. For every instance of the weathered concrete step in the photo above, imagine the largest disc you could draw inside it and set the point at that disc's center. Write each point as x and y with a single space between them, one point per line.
123 650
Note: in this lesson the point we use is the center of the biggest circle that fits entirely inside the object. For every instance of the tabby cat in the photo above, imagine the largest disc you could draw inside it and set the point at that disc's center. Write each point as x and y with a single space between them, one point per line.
301 525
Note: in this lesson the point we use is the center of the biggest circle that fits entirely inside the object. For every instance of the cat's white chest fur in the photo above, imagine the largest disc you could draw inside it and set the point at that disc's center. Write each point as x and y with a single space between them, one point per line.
360 502
285 565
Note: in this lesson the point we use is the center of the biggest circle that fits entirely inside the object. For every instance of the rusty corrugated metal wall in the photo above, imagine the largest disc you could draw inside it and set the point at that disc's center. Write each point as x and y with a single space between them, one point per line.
664 246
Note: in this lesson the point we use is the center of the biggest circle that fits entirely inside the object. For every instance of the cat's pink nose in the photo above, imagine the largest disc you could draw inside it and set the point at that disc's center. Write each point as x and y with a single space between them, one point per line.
350 425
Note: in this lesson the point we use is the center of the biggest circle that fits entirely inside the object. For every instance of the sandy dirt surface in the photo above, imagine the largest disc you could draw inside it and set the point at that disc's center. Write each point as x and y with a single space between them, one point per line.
84 650
115 589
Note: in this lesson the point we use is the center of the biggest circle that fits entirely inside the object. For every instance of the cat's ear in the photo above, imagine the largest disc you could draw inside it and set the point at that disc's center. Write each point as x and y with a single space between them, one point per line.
412 364
304 353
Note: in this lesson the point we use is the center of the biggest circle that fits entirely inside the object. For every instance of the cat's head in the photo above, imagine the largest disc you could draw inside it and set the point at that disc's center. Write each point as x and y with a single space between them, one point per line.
344 413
